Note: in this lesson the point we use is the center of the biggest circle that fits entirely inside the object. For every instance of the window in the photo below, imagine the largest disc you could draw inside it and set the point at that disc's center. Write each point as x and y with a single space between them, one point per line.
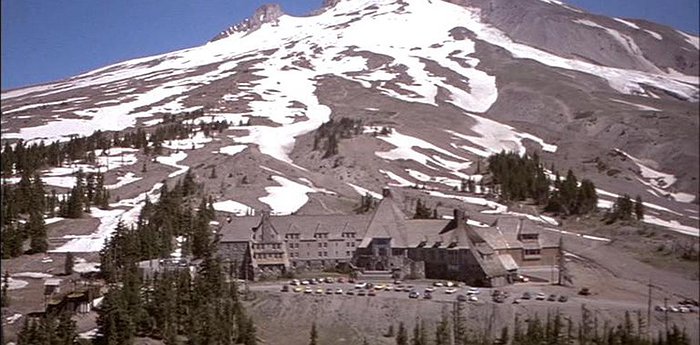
325 253
319 254
320 244
532 252
347 253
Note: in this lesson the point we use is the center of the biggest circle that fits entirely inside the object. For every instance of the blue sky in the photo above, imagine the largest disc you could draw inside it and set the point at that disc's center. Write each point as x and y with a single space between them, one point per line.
51 40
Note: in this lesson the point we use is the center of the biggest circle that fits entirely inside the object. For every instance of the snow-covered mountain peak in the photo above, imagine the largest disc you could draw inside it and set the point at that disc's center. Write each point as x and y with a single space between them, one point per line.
268 13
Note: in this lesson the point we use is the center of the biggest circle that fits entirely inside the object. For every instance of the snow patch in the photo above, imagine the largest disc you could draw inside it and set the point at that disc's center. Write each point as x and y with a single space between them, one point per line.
172 160
235 207
34 275
287 198
364 191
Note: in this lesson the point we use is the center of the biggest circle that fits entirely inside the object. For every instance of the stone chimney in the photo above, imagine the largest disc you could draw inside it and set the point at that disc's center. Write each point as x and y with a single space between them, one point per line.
459 214
386 192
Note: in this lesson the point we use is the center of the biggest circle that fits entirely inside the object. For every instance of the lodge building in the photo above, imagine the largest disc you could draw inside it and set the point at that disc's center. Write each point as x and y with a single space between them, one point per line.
493 255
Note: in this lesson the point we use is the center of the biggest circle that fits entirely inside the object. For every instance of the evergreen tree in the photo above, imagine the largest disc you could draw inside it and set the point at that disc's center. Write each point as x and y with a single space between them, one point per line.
68 264
314 335
5 288
66 330
639 208
419 335
401 335
36 229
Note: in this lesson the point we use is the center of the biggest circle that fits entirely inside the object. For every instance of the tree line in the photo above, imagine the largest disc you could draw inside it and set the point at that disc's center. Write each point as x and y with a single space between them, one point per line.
329 134
517 178
555 329
23 158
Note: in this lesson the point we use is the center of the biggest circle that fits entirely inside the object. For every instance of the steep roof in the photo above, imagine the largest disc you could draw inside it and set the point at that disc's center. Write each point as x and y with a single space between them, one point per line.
241 228
388 221
265 231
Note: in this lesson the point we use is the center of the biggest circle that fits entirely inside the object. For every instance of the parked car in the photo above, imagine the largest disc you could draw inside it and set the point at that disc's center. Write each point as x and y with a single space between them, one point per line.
449 284
330 280
473 291
563 298
673 309
360 285
319 291
660 308
527 295
379 287
329 291
450 291
313 281
473 298
285 288
413 294
517 301
684 309
540 296
295 282
338 291
308 290
552 298
428 295
371 293
305 282
499 299
397 282
584 291
462 298
351 280
350 292
362 293
298 289
389 287
341 280
429 289
438 284
370 285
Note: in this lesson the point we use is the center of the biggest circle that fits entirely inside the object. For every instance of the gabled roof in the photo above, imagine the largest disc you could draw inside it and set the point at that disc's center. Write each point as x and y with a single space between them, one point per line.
265 231
388 221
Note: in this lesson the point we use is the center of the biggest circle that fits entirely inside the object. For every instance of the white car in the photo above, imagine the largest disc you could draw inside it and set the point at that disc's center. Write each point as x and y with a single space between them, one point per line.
684 309
389 288
360 285
673 309
473 291
429 289
304 282
540 296
449 284
295 282
473 298
438 284
450 291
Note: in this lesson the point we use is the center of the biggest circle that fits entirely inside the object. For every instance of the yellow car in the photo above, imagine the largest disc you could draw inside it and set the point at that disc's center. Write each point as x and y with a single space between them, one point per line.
298 289
379 287
319 291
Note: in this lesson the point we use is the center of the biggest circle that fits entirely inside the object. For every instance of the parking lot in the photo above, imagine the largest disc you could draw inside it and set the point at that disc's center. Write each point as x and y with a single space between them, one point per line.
425 290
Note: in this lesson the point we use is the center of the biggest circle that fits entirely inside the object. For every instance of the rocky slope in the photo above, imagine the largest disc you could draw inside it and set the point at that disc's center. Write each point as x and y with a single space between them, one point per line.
614 99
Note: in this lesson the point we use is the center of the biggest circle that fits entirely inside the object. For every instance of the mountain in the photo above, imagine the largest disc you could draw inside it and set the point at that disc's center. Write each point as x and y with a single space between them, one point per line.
450 82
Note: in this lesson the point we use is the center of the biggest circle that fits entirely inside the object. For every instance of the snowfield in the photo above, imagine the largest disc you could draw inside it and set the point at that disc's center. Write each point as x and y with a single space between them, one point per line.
235 207
287 198
108 223
172 160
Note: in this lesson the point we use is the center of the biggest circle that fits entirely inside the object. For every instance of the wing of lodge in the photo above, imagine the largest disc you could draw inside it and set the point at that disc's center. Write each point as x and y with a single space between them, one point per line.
269 246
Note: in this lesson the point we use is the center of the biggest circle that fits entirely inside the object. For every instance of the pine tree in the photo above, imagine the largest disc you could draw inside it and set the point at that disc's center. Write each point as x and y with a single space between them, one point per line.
314 335
5 288
68 264
66 330
402 335
37 232
639 208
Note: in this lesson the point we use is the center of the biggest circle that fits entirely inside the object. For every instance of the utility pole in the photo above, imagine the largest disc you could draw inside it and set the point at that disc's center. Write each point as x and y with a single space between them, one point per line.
649 311
666 315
